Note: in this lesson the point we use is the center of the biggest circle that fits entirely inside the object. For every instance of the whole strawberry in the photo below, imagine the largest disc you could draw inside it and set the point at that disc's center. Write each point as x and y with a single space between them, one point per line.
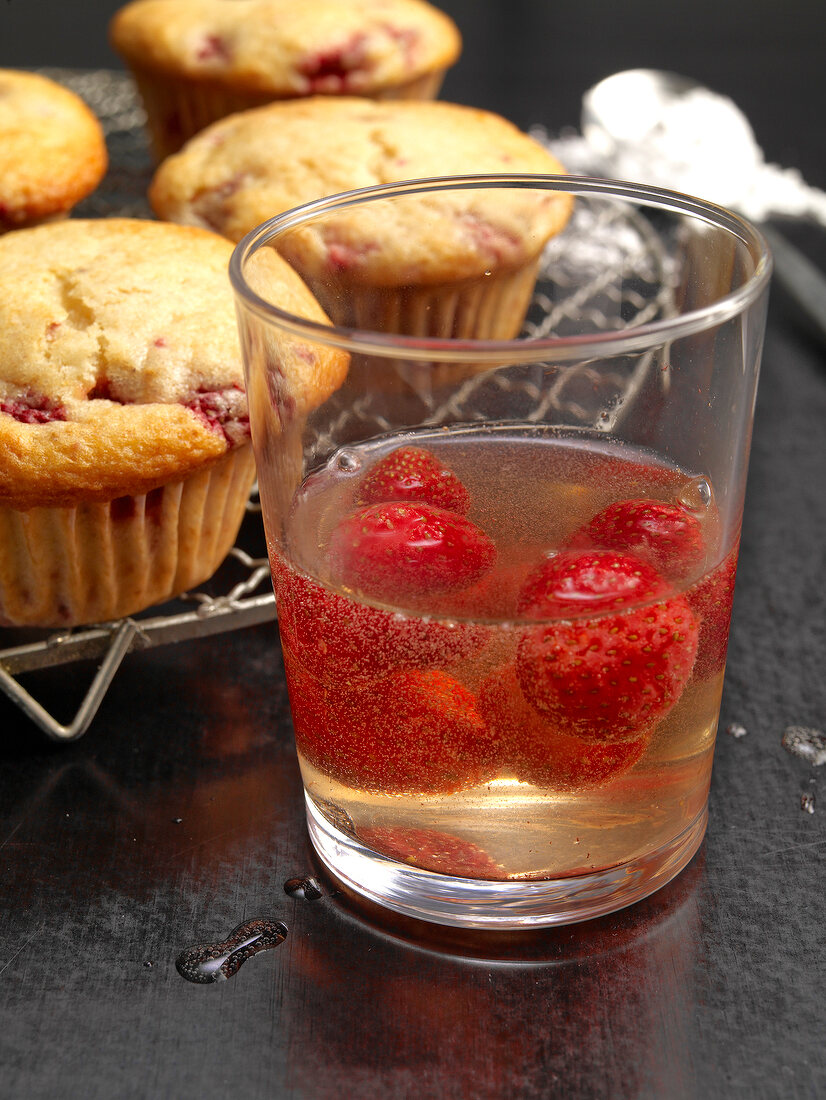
413 732
340 638
494 596
414 474
576 583
665 535
535 751
394 551
610 677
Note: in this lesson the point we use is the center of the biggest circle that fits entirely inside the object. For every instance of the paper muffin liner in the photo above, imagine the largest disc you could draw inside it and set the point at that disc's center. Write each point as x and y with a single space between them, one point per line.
491 307
96 561
178 108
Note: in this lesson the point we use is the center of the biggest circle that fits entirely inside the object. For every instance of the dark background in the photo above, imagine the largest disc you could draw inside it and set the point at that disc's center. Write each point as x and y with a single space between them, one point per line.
179 813
532 59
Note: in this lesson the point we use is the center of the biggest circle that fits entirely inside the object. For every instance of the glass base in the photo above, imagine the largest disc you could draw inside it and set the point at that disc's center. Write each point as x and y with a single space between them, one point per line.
481 903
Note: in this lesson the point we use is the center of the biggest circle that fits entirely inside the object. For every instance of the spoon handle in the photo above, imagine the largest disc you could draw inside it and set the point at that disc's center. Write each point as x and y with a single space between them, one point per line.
805 283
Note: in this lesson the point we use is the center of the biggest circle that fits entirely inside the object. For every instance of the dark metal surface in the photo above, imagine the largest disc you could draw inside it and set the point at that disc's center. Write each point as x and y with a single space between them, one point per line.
179 815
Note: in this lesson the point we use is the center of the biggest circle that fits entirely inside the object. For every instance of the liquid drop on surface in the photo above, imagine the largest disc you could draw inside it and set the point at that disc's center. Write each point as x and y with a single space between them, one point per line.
215 962
307 889
805 742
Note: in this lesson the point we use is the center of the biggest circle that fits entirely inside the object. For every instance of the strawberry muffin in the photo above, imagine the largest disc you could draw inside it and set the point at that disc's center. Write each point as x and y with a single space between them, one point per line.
454 264
52 150
195 61
125 461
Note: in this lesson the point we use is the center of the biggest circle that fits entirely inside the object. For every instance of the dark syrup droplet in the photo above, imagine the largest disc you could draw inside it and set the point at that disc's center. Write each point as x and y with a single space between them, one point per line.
308 889
215 962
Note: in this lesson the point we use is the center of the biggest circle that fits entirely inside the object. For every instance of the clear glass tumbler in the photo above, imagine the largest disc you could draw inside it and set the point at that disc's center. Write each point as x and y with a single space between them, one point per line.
504 539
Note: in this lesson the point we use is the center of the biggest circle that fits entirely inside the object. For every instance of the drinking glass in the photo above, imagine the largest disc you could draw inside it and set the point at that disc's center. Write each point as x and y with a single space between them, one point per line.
503 540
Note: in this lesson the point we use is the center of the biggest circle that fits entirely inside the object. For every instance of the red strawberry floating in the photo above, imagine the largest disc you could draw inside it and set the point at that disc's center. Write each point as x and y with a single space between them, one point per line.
495 596
610 678
711 601
667 536
534 751
572 584
411 474
340 638
396 550
433 851
415 732
311 705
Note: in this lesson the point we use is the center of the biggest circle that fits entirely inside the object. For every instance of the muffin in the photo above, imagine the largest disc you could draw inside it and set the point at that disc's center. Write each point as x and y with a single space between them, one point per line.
52 150
125 461
195 61
459 264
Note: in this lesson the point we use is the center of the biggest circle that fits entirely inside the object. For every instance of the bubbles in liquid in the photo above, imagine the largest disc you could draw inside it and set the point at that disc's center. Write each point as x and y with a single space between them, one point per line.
696 495
347 462
307 889
608 414
215 962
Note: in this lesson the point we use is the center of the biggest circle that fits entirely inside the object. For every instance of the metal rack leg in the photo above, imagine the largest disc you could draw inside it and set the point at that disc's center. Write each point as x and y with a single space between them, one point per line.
121 641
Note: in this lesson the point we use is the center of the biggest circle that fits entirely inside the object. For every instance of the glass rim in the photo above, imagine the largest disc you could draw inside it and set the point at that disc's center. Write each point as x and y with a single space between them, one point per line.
523 348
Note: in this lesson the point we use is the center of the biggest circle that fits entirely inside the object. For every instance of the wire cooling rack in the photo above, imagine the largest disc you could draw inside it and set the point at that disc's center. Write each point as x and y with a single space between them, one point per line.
643 293
245 601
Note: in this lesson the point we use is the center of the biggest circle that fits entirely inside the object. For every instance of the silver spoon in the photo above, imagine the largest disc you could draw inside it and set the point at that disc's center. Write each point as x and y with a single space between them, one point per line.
661 128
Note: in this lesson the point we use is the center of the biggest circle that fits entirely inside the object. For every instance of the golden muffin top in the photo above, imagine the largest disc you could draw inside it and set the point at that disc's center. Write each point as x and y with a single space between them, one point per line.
253 165
120 364
288 47
52 149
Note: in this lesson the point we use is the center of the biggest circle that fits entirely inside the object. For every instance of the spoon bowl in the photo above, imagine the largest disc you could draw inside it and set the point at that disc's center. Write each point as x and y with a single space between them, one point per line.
658 127
662 128
627 105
